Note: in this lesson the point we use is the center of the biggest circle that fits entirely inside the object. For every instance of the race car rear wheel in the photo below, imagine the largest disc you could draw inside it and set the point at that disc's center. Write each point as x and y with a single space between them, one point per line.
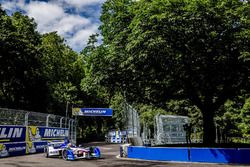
64 155
46 152
97 152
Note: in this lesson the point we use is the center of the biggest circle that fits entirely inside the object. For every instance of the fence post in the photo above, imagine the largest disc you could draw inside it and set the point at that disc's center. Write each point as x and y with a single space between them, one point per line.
72 131
47 120
75 129
61 122
26 119
69 124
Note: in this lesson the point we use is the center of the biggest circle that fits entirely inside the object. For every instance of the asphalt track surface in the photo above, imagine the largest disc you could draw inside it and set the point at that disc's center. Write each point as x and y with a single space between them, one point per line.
109 159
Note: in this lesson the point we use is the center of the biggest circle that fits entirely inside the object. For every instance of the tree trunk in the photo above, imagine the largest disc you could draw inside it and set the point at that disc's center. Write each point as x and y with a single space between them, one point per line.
209 135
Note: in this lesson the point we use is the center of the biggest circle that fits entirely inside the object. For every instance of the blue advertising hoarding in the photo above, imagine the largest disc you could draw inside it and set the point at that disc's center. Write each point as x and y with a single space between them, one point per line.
37 137
20 140
12 149
35 147
116 136
38 133
53 133
92 111
12 134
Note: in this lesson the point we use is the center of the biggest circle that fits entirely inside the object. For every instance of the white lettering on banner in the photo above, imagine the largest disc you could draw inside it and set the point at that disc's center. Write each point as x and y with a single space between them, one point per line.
3 135
40 146
13 149
94 111
46 133
55 133
13 133
10 132
17 132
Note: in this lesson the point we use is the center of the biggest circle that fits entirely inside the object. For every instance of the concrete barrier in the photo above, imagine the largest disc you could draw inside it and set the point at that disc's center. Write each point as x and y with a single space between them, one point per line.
207 155
124 150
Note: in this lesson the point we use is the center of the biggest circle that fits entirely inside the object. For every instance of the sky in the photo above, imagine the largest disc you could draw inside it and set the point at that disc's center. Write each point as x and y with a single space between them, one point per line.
74 20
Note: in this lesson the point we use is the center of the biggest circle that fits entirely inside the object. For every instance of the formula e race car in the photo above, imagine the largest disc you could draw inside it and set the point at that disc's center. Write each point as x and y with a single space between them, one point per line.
71 152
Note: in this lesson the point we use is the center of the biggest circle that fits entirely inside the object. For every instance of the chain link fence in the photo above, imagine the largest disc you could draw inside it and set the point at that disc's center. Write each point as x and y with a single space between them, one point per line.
133 121
29 118
169 129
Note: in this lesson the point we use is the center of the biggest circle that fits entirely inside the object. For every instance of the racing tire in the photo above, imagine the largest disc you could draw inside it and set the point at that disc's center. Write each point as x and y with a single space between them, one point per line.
46 152
97 152
65 155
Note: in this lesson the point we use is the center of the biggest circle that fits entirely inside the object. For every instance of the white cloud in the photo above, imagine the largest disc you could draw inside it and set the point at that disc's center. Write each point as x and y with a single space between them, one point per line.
9 6
71 23
81 37
82 3
62 16
45 14
13 5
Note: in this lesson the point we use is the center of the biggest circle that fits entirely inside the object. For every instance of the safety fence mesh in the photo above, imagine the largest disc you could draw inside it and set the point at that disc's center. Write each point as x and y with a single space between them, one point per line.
29 118
133 121
169 129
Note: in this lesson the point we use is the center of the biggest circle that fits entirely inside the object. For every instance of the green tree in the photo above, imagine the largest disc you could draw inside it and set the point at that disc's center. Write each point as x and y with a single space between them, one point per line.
96 95
171 49
118 119
116 16
147 116
21 80
227 120
93 57
63 69
244 125
200 45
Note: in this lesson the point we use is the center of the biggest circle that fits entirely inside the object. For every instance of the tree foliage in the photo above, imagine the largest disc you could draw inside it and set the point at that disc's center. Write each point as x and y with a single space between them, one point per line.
171 49
245 116
38 72
187 57
20 63
63 69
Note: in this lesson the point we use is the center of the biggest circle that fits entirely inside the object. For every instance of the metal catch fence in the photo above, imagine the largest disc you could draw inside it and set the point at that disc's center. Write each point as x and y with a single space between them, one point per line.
170 129
132 121
29 118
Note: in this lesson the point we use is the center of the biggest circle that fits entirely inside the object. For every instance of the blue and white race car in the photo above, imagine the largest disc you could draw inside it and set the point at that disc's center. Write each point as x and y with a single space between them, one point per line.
71 152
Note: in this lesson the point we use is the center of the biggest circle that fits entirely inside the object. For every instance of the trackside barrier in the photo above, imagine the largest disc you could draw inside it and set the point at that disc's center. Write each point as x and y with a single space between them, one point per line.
21 140
208 155
116 136
124 150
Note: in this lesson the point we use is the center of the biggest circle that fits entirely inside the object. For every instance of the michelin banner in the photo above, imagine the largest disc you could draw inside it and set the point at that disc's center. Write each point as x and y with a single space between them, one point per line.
12 134
12 149
35 147
37 137
92 112
36 133
20 140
